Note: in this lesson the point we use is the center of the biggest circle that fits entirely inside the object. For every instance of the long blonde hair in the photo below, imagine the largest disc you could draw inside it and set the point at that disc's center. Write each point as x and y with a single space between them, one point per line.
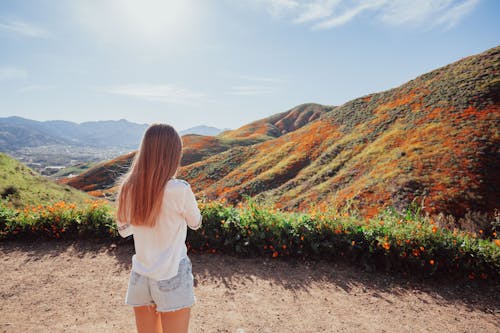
141 191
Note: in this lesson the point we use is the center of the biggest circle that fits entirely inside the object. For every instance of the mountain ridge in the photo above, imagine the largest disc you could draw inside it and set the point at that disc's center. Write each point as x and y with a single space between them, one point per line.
119 133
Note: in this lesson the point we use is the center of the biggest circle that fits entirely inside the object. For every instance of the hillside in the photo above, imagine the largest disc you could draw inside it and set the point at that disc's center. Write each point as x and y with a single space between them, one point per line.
199 147
100 180
26 187
434 139
278 124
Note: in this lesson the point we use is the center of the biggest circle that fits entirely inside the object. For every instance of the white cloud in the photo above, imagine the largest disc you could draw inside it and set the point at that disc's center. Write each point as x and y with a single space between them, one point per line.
279 7
317 10
35 88
260 78
254 85
23 28
349 14
454 15
326 14
12 73
251 90
167 93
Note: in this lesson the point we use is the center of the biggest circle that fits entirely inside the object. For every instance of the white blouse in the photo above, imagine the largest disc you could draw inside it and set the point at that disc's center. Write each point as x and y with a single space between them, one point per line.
159 249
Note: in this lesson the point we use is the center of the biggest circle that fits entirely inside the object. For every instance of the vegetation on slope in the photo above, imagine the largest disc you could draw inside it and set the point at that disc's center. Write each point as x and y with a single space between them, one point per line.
100 180
73 170
22 186
434 139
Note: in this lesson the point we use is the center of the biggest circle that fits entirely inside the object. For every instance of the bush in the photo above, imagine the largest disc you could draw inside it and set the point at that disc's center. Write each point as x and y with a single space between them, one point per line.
409 243
9 191
61 220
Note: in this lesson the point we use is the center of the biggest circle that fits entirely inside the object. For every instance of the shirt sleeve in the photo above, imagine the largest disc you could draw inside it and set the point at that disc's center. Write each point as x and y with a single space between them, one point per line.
124 229
191 211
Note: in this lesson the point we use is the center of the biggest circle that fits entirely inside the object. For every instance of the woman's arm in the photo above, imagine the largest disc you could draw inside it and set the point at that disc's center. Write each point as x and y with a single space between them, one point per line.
191 211
124 229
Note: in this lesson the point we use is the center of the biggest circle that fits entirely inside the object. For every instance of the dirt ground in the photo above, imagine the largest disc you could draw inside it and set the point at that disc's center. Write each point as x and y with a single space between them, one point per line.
80 287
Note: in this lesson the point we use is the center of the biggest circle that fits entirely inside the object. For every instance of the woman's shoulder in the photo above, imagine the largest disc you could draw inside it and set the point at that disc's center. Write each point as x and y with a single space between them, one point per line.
177 183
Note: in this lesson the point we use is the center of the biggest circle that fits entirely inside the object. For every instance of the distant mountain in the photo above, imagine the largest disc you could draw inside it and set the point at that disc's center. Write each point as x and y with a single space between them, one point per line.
17 133
22 186
201 130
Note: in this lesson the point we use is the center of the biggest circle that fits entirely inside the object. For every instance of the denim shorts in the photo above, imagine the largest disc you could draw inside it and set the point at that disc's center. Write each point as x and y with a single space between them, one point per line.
169 295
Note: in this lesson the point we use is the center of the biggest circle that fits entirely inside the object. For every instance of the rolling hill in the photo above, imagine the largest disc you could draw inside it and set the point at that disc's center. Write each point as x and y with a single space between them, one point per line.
101 178
433 140
26 187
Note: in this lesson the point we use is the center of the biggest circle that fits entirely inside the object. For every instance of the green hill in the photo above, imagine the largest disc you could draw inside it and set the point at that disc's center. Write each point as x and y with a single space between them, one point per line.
23 186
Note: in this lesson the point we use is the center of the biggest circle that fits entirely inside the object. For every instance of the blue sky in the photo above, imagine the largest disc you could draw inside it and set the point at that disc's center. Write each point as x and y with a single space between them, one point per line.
222 63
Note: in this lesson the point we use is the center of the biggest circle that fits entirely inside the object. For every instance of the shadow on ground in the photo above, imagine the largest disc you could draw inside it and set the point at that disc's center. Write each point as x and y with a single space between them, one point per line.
290 274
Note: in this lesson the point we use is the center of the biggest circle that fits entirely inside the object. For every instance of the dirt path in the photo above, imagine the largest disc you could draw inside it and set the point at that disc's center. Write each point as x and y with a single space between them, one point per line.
80 287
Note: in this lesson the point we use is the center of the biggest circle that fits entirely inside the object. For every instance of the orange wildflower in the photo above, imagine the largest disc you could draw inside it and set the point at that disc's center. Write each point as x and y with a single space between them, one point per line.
275 254
431 262
497 242
386 246
434 229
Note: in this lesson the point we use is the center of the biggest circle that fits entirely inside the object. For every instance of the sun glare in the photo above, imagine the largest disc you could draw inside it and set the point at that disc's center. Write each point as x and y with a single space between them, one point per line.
149 21
156 19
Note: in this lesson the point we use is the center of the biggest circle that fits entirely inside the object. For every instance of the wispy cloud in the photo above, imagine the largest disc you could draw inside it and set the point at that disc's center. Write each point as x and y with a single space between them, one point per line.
22 28
260 78
251 90
255 85
317 10
12 73
35 88
455 14
278 7
167 93
326 14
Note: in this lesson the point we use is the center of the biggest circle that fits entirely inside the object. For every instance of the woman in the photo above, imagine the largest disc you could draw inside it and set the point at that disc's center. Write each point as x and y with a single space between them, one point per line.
156 208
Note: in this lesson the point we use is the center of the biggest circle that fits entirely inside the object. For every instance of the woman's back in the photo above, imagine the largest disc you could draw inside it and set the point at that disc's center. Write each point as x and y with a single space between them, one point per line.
159 249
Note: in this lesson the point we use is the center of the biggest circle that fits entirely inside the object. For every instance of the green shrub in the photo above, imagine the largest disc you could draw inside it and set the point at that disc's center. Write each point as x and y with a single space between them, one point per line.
409 243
